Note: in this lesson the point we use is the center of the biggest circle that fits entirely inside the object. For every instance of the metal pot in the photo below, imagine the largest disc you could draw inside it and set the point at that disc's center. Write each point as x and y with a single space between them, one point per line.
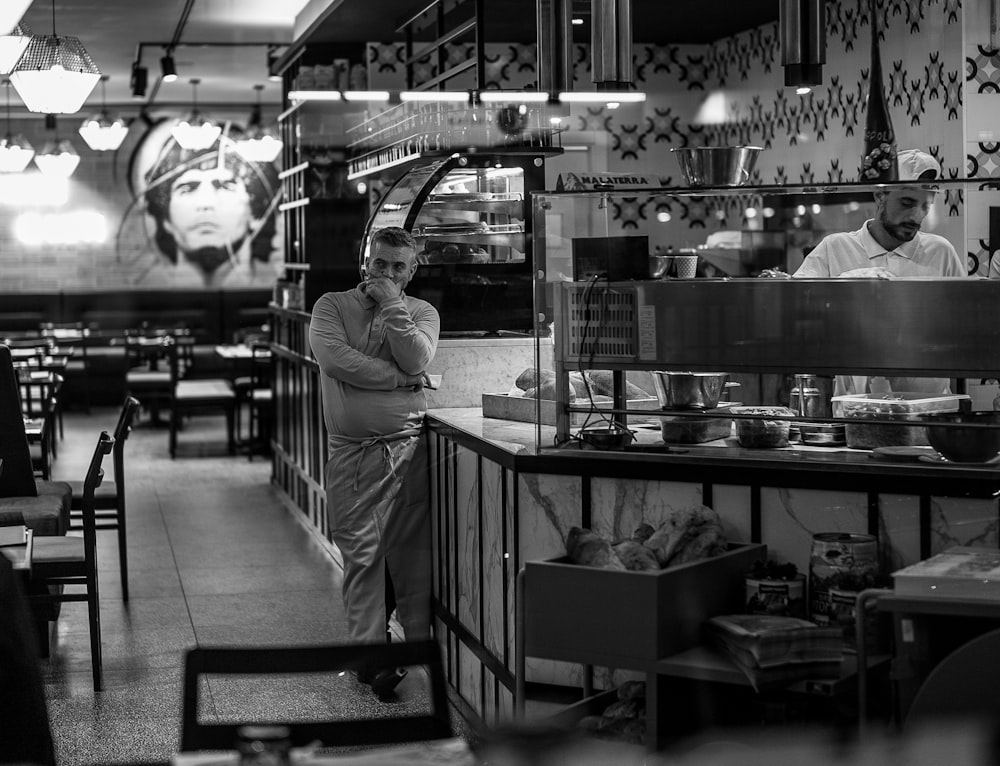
689 390
811 395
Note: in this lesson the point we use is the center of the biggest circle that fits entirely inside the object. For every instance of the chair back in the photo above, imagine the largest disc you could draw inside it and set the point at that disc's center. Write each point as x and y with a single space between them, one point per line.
122 430
261 365
17 479
93 479
244 661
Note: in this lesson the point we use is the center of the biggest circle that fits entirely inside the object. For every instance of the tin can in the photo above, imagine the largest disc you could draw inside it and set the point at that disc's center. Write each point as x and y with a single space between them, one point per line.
785 598
840 564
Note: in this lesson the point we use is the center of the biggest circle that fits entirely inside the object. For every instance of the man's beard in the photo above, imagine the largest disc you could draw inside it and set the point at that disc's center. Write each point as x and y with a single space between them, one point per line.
904 233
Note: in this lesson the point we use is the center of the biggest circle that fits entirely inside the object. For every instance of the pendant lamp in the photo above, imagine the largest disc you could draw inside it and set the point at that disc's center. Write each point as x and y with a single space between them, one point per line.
260 143
196 133
12 46
55 74
58 158
11 12
101 133
15 151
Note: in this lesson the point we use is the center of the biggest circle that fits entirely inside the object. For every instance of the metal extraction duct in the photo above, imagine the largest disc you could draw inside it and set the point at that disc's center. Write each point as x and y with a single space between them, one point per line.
555 45
611 43
802 30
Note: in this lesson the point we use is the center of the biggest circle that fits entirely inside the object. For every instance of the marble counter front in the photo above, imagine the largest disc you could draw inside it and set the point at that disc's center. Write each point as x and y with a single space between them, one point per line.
498 501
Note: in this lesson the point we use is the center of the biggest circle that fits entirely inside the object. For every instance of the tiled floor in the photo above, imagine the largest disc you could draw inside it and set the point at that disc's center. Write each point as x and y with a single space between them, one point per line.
215 559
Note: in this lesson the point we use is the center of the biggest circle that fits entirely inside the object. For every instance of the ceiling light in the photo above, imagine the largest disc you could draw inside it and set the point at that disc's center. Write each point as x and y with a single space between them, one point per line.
168 69
602 97
802 38
15 151
58 157
434 95
577 22
508 96
314 95
196 133
261 142
12 46
101 133
366 95
55 74
11 12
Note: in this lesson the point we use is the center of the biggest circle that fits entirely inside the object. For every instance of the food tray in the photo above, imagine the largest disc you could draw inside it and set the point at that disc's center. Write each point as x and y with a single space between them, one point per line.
617 618
763 432
684 429
903 406
522 409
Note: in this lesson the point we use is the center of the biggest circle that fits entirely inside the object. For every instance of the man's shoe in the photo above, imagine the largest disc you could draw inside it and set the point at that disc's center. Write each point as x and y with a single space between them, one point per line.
385 682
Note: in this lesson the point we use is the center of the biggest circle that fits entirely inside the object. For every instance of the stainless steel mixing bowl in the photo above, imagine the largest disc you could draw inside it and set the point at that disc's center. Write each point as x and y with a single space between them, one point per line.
717 165
689 390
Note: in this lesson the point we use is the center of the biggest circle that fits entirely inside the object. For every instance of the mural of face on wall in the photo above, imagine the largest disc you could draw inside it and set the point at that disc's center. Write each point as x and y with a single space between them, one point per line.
209 215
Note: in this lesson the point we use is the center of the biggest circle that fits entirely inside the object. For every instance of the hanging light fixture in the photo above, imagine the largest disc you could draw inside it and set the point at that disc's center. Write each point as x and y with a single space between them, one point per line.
167 67
260 143
11 12
15 151
196 132
55 74
12 47
58 158
101 133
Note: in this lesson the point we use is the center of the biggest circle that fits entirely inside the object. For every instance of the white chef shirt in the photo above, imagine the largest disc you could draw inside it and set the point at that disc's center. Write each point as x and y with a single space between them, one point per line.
926 255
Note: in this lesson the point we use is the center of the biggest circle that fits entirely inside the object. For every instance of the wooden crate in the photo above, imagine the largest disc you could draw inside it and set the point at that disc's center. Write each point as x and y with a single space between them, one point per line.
521 409
629 619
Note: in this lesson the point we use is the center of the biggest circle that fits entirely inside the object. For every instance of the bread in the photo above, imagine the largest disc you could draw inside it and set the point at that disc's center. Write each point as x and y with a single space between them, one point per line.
531 378
636 556
590 549
602 382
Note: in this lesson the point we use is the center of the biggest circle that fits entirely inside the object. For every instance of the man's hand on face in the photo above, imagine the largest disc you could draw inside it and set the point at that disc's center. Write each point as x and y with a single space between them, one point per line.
381 289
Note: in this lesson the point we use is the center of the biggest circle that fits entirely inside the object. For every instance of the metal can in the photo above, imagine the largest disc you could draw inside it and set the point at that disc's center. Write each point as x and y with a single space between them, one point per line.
844 564
786 598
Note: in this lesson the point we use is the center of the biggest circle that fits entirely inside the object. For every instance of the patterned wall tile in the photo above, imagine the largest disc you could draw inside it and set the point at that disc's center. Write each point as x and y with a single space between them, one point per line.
982 70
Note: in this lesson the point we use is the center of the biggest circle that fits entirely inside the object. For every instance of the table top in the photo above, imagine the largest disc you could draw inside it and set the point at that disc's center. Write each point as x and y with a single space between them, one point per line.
446 752
238 351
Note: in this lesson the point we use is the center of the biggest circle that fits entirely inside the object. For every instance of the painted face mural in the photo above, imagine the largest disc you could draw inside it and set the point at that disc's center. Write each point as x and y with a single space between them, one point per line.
210 214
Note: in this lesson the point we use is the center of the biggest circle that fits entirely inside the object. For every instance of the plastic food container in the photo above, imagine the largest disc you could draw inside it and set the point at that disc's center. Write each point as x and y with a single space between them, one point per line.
763 431
903 406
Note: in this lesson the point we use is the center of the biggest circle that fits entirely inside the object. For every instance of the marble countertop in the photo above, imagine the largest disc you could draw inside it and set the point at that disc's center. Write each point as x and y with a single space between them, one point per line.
520 440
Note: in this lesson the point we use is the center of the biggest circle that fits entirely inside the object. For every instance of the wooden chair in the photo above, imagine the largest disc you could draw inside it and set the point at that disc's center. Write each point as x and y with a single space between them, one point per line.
39 393
244 661
76 335
146 377
198 397
109 500
67 560
260 400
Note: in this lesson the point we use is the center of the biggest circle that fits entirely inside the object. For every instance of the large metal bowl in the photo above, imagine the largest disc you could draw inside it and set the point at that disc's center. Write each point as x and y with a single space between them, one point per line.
689 390
717 165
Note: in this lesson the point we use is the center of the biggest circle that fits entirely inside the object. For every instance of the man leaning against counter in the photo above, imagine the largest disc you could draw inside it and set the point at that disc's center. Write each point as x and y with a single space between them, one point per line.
373 345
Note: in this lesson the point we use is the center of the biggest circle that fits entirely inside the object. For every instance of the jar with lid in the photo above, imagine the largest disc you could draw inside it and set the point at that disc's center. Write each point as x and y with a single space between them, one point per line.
264 745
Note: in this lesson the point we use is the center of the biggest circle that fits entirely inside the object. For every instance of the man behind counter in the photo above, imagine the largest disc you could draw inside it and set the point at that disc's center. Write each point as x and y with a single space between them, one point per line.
886 246
891 244
373 345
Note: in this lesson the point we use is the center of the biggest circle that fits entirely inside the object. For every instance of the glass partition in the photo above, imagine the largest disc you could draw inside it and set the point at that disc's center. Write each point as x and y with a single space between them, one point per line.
627 288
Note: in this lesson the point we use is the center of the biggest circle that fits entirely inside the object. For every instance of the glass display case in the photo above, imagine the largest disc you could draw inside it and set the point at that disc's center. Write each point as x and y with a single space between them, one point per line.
626 298
469 215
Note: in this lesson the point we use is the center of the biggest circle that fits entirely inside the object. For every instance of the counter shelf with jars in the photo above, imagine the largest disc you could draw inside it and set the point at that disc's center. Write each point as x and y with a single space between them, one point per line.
593 266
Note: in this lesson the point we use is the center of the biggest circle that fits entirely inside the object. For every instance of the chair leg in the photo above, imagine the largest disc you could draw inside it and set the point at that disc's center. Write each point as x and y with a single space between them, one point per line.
230 423
122 550
94 613
173 431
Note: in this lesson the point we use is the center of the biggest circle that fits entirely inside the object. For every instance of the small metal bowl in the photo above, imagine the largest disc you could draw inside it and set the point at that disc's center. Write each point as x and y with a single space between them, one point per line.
717 165
613 436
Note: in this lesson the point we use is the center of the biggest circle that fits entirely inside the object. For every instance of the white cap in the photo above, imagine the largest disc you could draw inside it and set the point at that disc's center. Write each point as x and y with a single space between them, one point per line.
915 165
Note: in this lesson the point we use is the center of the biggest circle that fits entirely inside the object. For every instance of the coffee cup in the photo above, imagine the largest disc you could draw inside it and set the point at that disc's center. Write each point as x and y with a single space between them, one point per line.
686 266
